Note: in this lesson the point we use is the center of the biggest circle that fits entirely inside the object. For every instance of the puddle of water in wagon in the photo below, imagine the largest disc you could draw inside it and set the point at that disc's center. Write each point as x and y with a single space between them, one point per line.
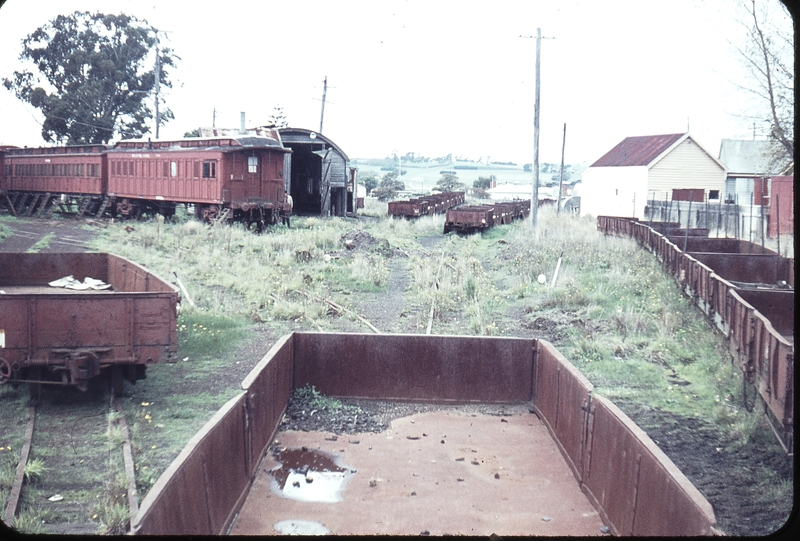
309 475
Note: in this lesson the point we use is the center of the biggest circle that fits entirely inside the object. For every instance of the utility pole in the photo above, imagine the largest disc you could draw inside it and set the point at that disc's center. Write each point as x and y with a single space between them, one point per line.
157 89
535 183
158 85
561 176
535 189
324 92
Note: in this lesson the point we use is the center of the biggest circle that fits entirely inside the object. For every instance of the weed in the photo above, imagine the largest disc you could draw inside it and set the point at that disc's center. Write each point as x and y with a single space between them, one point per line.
5 231
42 244
113 517
8 470
316 400
34 470
115 436
28 522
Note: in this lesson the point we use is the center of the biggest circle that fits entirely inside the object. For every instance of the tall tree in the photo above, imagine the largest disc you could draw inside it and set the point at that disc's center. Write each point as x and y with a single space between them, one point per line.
449 183
90 74
388 187
277 118
768 55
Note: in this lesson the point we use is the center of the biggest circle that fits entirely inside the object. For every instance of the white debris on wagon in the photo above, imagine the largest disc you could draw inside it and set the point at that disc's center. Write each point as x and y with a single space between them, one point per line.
69 282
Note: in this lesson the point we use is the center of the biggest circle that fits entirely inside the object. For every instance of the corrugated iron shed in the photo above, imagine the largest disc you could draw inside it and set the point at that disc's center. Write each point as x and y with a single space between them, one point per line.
638 151
747 157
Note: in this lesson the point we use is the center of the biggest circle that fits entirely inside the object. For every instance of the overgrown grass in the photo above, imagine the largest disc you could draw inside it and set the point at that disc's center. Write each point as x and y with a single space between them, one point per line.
622 320
629 329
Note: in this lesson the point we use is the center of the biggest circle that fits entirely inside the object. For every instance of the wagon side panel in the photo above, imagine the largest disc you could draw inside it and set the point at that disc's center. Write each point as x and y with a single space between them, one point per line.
14 321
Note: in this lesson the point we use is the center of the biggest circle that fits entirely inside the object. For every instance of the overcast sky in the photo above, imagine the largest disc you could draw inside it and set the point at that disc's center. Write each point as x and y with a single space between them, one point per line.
434 77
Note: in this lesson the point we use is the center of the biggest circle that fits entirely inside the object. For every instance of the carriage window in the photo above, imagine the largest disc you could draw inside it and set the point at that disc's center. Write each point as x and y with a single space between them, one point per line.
173 169
252 164
210 169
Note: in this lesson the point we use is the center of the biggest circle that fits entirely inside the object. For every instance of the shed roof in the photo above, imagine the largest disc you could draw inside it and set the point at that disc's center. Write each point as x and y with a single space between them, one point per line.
747 157
638 151
304 136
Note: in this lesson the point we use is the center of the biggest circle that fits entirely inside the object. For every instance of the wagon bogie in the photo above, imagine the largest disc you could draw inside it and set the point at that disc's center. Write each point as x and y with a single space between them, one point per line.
53 335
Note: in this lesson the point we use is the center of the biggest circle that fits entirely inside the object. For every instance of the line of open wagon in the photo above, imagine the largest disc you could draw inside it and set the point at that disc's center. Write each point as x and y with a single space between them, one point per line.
427 205
746 289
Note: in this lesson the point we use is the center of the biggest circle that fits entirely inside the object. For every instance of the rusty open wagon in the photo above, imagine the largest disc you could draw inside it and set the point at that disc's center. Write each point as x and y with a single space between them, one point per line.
114 320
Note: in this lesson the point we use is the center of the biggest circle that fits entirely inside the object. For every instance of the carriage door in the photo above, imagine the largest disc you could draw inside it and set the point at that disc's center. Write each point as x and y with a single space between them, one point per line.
325 181
252 177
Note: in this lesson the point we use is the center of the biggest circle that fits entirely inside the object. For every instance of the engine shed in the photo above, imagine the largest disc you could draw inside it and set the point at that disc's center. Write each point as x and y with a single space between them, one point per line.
322 181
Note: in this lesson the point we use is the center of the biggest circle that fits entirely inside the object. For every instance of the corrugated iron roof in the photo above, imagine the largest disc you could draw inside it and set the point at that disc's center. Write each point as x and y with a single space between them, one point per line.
748 157
637 151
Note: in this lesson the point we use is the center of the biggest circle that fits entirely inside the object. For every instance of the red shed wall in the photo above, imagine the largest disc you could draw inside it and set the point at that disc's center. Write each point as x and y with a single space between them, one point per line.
781 204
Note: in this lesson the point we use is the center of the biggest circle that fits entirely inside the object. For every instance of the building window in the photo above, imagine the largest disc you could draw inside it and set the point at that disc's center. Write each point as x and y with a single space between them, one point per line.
252 164
210 169
713 194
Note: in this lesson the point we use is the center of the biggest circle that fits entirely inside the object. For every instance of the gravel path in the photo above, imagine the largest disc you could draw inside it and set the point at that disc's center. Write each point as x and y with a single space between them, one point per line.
68 236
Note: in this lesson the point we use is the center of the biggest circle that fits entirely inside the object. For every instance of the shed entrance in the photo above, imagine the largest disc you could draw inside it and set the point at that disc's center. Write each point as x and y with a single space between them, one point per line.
321 181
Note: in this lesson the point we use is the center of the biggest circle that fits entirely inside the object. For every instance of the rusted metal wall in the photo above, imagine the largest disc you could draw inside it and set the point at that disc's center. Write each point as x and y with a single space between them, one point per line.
415 367
634 485
561 399
135 323
268 388
39 269
758 323
765 355
776 305
125 275
720 245
748 268
203 487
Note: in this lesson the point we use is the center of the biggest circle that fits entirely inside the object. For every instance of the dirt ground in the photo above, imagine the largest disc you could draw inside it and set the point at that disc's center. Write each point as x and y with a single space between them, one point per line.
730 476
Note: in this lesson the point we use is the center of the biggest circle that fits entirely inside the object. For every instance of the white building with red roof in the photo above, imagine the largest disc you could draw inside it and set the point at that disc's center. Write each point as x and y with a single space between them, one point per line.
650 167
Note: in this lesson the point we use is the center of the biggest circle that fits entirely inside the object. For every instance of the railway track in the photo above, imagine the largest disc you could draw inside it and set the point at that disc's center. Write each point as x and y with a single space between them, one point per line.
76 473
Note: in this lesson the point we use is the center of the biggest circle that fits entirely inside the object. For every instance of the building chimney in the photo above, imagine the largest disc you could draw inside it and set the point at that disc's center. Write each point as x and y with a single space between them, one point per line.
242 130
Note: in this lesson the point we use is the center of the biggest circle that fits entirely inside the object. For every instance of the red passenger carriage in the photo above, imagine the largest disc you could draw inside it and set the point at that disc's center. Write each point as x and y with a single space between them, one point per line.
37 180
242 179
234 178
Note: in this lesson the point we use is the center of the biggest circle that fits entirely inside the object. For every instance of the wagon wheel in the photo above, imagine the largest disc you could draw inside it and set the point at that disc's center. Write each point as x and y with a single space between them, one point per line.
210 213
5 371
